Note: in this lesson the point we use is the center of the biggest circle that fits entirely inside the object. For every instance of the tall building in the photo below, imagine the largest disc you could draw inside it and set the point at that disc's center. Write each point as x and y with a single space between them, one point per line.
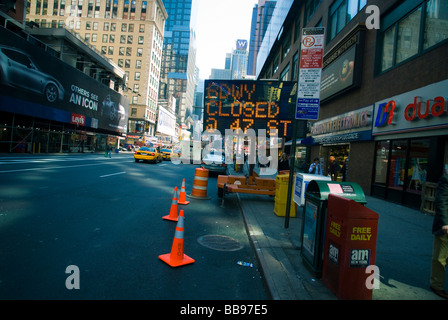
129 32
261 15
57 93
178 70
239 60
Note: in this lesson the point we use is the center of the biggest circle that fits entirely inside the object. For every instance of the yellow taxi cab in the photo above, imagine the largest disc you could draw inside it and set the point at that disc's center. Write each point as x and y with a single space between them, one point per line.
147 154
166 154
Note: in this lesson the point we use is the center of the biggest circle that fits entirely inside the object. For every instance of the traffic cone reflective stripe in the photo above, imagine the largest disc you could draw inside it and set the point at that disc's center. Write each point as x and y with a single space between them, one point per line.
200 182
182 194
177 257
173 216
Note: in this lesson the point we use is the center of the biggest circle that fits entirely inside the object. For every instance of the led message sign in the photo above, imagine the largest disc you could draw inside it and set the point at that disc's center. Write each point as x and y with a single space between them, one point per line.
250 104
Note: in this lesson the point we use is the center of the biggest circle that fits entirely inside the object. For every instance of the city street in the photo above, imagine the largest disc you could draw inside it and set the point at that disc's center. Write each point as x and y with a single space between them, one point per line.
104 216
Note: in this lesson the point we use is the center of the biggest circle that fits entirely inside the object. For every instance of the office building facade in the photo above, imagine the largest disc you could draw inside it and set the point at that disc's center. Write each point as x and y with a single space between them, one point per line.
178 69
130 33
261 15
50 101
383 98
239 60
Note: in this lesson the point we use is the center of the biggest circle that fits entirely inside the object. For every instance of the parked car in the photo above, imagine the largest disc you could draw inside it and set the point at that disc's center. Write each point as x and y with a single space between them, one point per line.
214 163
18 69
166 154
147 154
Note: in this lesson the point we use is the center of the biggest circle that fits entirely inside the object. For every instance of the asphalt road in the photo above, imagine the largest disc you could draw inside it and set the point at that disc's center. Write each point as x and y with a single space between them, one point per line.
104 217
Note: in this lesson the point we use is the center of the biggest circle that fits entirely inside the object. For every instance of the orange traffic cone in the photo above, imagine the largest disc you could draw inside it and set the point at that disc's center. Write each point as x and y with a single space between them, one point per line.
173 216
182 194
177 257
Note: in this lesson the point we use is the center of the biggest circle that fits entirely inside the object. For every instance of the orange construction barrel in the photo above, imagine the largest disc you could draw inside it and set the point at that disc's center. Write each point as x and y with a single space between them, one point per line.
200 182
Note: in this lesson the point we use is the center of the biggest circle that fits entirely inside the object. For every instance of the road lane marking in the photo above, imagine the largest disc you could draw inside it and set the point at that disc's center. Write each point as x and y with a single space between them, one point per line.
112 174
57 167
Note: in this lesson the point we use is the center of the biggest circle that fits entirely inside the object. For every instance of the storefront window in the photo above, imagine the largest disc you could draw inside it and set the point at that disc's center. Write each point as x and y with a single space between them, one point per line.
381 161
398 164
418 164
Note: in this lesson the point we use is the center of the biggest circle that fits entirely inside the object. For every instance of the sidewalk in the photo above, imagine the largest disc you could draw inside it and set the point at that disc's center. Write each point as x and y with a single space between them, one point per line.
403 252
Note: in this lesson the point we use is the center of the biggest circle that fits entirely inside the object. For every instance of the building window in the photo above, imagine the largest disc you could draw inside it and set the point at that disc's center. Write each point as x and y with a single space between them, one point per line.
94 37
141 28
295 67
140 39
143 12
106 26
105 36
107 10
127 63
132 14
120 63
137 76
139 52
111 38
341 12
381 162
114 9
121 51
402 164
125 9
285 74
104 49
128 51
408 31
286 46
402 39
436 23
111 50
122 38
138 64
310 8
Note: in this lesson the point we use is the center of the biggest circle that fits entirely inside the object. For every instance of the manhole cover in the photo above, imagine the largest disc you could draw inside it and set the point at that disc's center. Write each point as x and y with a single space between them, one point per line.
220 243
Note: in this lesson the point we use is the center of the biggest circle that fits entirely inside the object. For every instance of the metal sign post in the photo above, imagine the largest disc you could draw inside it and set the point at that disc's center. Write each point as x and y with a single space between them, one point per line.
308 93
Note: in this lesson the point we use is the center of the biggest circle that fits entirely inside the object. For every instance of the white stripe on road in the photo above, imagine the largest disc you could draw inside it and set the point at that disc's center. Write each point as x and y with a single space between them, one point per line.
49 168
112 174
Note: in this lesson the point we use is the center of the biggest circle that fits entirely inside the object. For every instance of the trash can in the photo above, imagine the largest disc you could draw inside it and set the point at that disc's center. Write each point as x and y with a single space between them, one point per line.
350 247
314 217
281 195
301 183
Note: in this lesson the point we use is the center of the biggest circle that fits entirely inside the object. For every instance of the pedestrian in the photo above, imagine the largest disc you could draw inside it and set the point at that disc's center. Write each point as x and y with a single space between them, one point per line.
440 232
283 162
109 150
316 167
333 168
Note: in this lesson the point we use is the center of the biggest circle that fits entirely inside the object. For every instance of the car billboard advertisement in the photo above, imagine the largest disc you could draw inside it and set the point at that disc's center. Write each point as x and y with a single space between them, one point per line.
35 83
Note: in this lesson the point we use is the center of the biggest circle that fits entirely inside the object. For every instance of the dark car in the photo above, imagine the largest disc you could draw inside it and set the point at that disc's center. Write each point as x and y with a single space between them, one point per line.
214 163
18 69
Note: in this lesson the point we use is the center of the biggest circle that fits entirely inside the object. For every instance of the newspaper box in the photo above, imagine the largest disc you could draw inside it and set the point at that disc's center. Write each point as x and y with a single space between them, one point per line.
350 247
314 217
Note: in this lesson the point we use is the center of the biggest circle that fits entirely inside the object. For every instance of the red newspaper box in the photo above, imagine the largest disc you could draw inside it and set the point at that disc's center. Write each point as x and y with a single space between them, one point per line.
350 247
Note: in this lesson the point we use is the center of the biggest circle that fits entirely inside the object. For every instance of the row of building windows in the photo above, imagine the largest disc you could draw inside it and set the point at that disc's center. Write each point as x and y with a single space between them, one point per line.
92 10
421 29
415 32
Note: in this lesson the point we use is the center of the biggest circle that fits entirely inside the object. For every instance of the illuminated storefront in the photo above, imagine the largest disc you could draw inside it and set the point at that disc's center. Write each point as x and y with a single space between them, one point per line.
411 146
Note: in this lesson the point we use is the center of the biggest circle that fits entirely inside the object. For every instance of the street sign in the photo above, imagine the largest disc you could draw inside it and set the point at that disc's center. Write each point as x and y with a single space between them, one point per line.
311 56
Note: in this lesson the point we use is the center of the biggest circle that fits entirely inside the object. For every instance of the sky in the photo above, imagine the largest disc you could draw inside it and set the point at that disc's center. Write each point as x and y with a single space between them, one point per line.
219 24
